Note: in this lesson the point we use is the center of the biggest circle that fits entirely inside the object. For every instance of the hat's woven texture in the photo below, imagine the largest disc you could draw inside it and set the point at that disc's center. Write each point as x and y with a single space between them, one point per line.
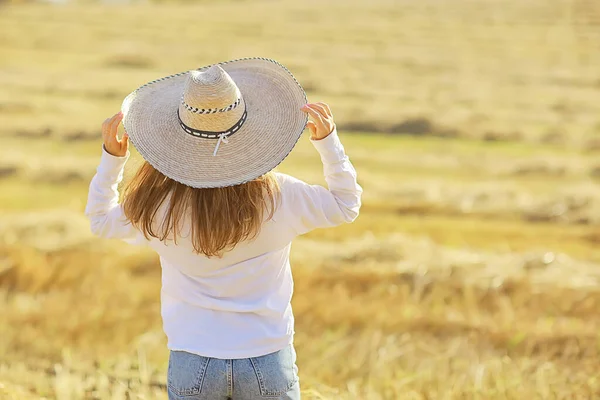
162 117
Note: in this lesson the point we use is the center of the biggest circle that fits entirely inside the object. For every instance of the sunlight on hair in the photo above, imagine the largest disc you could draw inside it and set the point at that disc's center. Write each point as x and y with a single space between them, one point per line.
222 217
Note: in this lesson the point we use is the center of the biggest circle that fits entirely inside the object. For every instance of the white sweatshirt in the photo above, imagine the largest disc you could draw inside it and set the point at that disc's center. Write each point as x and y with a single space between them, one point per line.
237 306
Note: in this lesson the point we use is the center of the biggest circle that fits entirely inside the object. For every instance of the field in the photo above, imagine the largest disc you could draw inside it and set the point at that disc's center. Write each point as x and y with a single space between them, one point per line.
473 271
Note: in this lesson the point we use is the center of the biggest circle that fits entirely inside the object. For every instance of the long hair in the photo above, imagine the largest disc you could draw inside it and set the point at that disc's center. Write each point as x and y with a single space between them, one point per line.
219 218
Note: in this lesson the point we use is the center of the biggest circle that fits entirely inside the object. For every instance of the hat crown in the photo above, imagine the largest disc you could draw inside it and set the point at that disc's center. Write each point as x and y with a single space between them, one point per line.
210 89
211 102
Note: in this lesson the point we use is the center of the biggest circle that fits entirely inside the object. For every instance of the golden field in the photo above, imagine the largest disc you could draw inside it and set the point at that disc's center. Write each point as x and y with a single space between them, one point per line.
473 270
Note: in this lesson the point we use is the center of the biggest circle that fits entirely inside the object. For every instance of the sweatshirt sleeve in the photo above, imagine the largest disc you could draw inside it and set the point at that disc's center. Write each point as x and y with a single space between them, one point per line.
312 206
106 216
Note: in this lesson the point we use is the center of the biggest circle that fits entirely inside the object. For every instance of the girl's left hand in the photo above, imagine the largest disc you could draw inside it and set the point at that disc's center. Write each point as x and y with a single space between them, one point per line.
112 144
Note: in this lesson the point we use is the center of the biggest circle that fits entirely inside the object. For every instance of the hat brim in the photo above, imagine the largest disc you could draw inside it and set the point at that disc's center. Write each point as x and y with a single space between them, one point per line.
273 126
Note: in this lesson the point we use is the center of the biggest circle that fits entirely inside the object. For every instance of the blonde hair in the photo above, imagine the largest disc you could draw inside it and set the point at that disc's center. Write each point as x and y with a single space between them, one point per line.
220 218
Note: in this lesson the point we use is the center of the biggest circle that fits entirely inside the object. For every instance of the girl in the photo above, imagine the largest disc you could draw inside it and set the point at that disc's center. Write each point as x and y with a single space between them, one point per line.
208 202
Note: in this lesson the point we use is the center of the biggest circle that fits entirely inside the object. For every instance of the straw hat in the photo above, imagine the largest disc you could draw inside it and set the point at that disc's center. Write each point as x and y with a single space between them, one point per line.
220 125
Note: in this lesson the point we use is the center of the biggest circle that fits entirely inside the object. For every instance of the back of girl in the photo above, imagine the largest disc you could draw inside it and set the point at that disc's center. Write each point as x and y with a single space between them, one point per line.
208 201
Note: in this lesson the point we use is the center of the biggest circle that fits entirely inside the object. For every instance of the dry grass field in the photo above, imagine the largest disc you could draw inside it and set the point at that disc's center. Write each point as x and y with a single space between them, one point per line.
473 271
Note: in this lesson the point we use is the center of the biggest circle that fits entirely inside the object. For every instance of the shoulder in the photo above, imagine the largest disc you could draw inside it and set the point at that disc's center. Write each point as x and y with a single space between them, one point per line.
287 181
290 186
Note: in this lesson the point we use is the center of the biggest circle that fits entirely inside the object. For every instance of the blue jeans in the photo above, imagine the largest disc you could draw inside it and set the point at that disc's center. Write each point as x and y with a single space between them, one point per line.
272 376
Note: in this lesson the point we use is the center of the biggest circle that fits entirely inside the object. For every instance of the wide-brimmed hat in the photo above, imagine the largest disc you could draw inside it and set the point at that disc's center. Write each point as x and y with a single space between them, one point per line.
219 125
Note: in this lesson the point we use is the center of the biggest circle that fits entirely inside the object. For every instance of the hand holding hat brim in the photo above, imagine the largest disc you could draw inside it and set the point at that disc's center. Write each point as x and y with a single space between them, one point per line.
321 124
112 144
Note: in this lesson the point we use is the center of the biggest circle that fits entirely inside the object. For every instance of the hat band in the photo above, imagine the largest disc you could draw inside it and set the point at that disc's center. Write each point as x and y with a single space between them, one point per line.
197 110
210 134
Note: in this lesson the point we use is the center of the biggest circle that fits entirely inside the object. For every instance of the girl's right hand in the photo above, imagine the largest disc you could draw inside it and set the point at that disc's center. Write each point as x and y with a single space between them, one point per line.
321 124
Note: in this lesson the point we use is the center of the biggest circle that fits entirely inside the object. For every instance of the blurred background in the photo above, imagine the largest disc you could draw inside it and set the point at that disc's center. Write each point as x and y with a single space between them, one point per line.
474 125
